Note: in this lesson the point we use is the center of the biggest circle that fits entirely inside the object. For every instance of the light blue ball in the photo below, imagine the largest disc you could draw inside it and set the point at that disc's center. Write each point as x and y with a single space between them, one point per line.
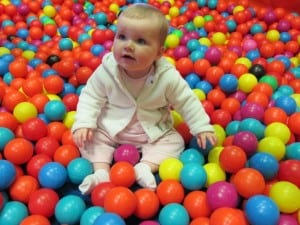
78 169
173 214
5 136
232 127
108 218
55 110
13 213
254 126
193 176
90 215
293 151
65 44
69 209
191 155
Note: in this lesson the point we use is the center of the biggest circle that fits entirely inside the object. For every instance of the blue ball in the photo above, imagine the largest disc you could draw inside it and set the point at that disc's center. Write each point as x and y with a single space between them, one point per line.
287 103
65 44
193 176
192 44
69 209
261 210
78 169
55 110
204 86
7 174
13 213
191 155
254 126
192 79
173 214
5 136
293 151
228 83
265 163
108 218
232 127
52 175
90 215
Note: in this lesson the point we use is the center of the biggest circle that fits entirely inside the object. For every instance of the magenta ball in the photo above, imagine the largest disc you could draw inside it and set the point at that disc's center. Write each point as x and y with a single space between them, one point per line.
252 110
149 222
213 55
249 44
181 51
247 141
222 194
128 153
287 220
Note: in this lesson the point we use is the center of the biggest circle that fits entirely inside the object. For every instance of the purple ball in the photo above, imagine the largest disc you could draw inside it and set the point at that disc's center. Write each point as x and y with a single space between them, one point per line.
213 55
181 51
222 194
128 153
247 141
252 110
283 25
239 95
287 220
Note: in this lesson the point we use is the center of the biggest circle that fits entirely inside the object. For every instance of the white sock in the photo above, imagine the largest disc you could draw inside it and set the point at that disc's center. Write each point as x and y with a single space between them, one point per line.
144 176
92 180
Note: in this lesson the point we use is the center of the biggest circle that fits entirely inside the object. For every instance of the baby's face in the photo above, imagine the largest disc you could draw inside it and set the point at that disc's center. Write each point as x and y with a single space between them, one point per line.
137 45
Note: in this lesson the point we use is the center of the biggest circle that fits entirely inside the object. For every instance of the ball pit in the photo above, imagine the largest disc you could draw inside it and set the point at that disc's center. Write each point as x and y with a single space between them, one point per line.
241 58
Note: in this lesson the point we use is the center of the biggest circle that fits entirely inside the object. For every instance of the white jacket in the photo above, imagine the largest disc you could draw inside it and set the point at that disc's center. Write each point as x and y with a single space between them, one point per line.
105 103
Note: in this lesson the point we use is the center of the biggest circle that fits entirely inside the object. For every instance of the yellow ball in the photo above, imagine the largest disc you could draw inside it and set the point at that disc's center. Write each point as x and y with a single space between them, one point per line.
220 133
171 60
49 10
245 61
286 195
214 173
172 41
273 35
296 97
27 54
280 130
4 51
69 119
214 154
238 8
205 41
273 146
170 169
24 111
114 7
174 11
218 38
199 21
200 94
176 117
247 82
53 97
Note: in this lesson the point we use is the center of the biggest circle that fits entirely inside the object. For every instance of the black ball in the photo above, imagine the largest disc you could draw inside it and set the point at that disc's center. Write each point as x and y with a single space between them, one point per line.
52 59
257 70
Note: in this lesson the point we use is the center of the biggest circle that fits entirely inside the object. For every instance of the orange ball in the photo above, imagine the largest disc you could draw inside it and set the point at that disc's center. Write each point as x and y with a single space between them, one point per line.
185 66
276 66
170 191
65 154
232 158
275 114
147 203
18 68
83 74
18 151
36 33
122 174
216 96
120 200
35 220
22 188
228 216
39 101
232 105
196 204
200 221
53 84
12 98
239 69
249 182
8 120
32 86
213 74
201 66
258 98
56 130
264 88
293 123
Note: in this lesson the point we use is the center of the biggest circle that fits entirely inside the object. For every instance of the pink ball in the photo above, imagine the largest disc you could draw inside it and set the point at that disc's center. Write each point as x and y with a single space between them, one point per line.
287 220
213 55
247 141
252 110
249 44
128 153
181 51
222 194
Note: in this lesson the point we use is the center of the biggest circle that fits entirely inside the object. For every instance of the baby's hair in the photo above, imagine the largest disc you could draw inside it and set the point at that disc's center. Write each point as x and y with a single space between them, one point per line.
142 11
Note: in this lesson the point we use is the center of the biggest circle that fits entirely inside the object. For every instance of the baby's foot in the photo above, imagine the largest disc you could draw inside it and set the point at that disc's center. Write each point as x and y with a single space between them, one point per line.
144 176
92 180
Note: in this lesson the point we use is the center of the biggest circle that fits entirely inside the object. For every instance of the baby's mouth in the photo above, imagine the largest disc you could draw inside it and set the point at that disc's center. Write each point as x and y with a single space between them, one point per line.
126 56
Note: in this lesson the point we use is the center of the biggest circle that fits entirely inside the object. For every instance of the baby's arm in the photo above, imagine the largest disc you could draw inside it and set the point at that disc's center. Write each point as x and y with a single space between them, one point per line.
82 135
203 137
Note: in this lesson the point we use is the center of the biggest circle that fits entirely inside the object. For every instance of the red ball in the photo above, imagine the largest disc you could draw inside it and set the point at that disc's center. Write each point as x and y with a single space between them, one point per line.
231 105
53 84
33 129
289 170
120 200
185 66
34 165
293 123
22 188
200 221
213 74
8 120
47 145
147 203
216 96
18 151
18 68
275 114
65 154
99 192
232 158
70 100
122 174
184 131
43 202
196 204
221 117
228 216
170 191
201 66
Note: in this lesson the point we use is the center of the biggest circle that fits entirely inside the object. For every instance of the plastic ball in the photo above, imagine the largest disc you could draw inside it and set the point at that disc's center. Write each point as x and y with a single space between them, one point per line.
293 121
147 203
78 169
193 176
172 41
247 82
13 213
218 38
293 151
249 182
285 194
280 130
122 174
285 219
252 110
213 55
47 145
55 110
222 194
228 83
273 146
8 120
64 154
170 169
34 165
261 208
221 117
195 202
287 103
275 114
170 191
184 65
43 202
214 173
69 209
191 155
52 175
120 200
6 135
128 153
35 219
18 68
108 218
232 158
90 215
7 172
228 216
247 141
24 111
289 171
18 151
174 214
33 129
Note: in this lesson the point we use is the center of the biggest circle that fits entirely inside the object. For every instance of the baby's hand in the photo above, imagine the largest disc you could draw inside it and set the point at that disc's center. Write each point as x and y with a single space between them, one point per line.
203 137
82 135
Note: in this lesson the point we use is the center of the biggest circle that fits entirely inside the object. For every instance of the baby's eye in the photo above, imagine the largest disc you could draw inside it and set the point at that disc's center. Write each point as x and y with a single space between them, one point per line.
141 41
121 37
